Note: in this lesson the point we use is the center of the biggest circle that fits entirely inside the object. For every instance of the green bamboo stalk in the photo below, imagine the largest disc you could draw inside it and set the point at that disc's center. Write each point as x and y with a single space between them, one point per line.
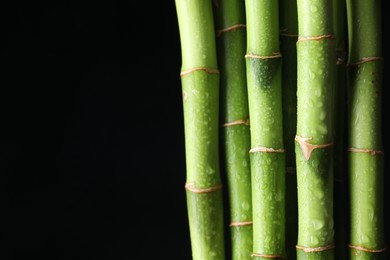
365 69
288 39
314 140
267 157
200 85
339 25
231 39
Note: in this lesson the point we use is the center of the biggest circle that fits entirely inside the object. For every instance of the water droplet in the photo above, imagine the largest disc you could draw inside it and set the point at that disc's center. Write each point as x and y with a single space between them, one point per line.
322 115
365 238
245 205
278 196
311 103
312 75
318 92
244 163
371 215
210 170
314 240
319 104
317 224
319 194
322 129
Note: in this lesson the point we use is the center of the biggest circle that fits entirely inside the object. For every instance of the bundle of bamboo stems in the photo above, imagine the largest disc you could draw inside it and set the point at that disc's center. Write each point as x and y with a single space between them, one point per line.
266 85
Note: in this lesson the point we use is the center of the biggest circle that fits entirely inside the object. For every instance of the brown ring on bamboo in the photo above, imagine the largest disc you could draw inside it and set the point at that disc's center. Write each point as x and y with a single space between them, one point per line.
208 70
360 248
240 223
230 28
364 60
291 169
268 256
315 249
275 55
190 187
315 38
369 151
266 150
307 148
243 121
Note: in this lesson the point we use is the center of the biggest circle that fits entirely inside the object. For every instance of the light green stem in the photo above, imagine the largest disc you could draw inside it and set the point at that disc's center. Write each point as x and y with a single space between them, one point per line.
200 85
316 65
263 63
231 39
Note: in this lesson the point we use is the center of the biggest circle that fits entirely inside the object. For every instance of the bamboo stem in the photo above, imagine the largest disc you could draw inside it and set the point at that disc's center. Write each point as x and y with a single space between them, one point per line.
288 39
231 39
340 108
365 72
263 63
200 85
314 157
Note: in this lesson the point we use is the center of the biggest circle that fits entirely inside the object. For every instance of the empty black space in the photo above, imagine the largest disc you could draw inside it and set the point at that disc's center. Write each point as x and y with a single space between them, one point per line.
92 144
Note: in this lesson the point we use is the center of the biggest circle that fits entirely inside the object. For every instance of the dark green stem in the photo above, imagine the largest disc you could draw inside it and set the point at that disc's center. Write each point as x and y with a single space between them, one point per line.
365 73
288 39
340 108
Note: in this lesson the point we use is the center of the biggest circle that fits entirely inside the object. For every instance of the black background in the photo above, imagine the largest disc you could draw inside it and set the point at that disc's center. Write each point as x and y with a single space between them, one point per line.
92 157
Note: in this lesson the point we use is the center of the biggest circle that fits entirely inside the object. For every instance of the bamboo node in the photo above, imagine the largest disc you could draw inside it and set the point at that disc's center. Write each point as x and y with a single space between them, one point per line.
266 150
268 256
190 186
308 148
241 223
364 60
243 121
315 249
315 38
361 248
275 55
230 28
369 151
207 70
